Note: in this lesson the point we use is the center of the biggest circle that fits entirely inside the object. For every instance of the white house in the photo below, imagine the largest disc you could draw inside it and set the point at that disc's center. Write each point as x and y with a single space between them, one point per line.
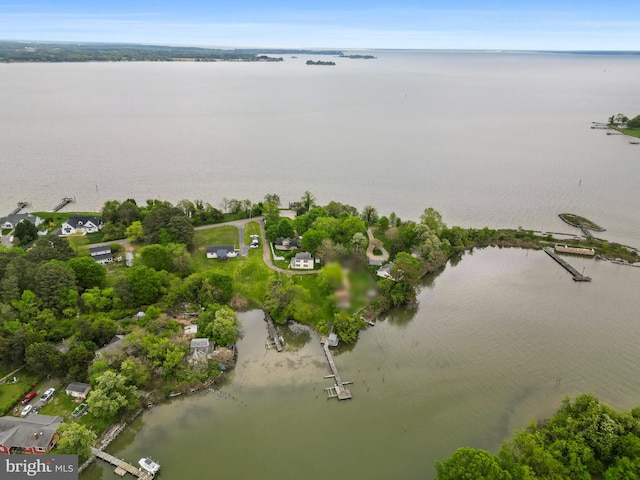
302 261
101 255
78 224
10 221
78 390
385 271
222 252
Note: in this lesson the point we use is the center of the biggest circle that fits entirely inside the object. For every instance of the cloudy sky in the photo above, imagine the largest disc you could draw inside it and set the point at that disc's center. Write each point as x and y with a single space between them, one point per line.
456 24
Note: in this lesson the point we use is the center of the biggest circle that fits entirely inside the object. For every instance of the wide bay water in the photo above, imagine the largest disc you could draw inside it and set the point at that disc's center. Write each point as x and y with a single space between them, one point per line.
491 139
495 139
498 340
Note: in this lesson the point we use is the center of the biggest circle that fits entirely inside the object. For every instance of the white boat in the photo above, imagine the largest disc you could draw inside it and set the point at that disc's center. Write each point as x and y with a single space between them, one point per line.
149 465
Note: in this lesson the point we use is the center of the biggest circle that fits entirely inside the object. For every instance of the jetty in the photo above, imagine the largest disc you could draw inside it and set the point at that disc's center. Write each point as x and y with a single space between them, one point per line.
20 206
63 203
122 467
577 277
339 391
273 333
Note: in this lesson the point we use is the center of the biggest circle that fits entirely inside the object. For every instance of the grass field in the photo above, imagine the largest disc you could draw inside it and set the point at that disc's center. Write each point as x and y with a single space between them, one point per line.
10 392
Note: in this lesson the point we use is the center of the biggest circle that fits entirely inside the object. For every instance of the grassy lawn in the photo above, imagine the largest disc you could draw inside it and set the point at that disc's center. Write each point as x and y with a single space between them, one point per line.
251 228
318 296
361 283
63 405
10 393
215 236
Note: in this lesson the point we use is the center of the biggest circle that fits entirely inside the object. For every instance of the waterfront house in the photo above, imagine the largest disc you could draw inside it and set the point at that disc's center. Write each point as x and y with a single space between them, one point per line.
78 390
287 243
101 255
221 252
302 261
385 271
33 434
10 221
80 224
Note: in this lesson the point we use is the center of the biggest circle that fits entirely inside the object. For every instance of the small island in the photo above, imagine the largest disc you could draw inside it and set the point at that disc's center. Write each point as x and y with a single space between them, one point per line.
319 62
358 57
580 222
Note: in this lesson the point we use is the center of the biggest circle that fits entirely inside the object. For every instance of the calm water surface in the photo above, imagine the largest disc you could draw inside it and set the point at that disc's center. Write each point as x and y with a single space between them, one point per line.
488 139
498 340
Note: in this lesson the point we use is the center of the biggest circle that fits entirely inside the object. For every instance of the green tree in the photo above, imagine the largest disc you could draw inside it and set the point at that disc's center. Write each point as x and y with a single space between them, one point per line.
88 272
146 285
76 438
26 232
155 256
44 358
51 282
50 247
383 224
178 230
135 232
634 122
471 464
223 329
307 201
433 219
369 215
111 395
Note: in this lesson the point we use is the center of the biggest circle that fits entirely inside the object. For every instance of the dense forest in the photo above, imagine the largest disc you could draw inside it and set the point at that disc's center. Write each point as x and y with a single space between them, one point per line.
14 51
585 439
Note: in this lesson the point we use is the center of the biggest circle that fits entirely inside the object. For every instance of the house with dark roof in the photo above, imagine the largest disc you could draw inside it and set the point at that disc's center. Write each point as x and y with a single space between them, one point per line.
302 261
10 221
287 243
78 390
101 255
221 252
33 434
81 224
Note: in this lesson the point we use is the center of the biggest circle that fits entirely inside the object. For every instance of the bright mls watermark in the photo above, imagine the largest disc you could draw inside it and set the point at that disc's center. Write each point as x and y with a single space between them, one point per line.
49 467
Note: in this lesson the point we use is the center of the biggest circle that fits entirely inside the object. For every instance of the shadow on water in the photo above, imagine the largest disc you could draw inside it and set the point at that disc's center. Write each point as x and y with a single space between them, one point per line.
295 335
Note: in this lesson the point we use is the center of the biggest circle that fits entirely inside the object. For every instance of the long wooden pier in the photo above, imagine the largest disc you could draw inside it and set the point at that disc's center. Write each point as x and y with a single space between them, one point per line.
20 206
338 391
122 467
273 333
577 277
63 203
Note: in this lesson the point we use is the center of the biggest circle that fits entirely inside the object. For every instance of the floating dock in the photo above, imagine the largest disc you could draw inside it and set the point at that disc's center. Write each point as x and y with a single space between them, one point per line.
338 391
122 467
63 203
273 333
20 206
577 277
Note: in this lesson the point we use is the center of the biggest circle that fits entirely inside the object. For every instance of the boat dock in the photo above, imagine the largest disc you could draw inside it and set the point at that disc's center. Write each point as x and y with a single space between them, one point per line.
273 333
338 391
577 277
20 206
63 203
122 467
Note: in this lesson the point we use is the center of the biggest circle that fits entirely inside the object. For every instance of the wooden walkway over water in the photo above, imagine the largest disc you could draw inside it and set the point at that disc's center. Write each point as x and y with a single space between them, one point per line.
20 206
273 333
577 277
122 467
63 203
338 391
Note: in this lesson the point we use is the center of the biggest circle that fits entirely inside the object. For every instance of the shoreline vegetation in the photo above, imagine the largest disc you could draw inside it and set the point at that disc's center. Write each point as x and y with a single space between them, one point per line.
34 52
320 62
580 222
124 328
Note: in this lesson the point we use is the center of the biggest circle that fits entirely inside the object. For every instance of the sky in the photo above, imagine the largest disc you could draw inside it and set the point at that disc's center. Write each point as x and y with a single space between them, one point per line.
346 24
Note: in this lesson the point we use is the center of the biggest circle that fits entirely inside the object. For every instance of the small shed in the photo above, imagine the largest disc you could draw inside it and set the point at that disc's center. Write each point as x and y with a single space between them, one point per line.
201 346
78 390
333 340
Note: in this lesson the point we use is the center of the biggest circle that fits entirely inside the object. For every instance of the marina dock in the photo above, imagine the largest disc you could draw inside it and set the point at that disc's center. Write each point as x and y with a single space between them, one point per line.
122 467
577 277
63 203
273 333
338 391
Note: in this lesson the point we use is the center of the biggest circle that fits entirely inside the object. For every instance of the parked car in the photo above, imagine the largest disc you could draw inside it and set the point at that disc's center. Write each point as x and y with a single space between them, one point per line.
48 394
26 410
28 397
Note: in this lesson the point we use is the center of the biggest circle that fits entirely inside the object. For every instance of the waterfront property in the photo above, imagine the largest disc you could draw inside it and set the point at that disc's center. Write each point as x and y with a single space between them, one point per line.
81 224
577 277
34 434
10 221
221 252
